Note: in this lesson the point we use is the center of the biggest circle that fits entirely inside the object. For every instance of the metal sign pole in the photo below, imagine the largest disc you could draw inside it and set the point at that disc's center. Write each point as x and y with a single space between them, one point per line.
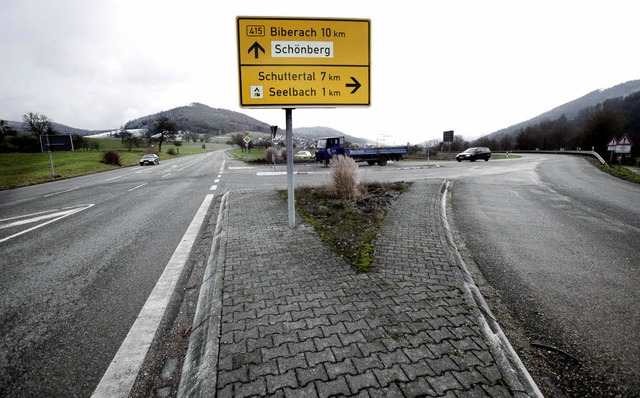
53 173
290 190
274 130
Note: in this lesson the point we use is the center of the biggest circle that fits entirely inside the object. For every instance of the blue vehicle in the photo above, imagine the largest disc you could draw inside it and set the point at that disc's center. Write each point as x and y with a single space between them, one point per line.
328 147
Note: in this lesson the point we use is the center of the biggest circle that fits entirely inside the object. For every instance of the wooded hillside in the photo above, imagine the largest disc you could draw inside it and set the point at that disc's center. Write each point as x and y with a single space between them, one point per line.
591 127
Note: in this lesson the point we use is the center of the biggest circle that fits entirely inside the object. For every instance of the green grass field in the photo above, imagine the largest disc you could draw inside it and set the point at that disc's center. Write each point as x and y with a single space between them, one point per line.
22 169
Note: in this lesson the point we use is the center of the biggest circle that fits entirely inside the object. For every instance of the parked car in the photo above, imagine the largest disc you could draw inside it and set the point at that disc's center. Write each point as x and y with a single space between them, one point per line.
474 153
305 155
149 158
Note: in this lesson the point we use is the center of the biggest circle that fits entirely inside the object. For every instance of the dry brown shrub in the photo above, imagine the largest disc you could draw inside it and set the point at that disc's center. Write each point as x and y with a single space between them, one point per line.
344 173
268 154
282 155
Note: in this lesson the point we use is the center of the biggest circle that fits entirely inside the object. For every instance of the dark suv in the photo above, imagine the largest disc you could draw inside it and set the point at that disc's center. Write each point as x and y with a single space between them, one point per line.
474 153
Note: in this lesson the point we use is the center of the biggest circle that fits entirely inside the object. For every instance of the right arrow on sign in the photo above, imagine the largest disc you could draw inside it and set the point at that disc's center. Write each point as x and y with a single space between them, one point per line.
356 85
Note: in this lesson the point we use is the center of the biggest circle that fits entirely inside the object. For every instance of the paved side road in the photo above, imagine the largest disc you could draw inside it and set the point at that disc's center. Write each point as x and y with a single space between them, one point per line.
281 314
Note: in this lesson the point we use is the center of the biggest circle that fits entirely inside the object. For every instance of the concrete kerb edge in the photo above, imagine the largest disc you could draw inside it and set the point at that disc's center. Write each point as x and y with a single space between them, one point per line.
199 370
509 362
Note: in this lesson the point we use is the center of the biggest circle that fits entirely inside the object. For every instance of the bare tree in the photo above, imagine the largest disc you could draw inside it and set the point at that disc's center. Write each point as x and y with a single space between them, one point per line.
165 129
125 135
36 123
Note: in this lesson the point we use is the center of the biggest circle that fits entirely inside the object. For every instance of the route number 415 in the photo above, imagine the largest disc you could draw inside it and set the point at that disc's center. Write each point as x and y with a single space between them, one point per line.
255 30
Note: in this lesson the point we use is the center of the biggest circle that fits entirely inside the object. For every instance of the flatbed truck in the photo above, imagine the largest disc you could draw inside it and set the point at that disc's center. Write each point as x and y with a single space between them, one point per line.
328 147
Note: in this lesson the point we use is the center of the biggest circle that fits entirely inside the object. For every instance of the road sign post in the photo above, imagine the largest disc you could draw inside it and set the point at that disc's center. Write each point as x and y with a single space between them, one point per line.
611 147
55 143
247 140
619 146
623 146
447 136
302 62
274 130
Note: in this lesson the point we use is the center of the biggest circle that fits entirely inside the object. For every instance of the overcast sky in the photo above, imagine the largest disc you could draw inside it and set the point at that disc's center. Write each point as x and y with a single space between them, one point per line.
469 66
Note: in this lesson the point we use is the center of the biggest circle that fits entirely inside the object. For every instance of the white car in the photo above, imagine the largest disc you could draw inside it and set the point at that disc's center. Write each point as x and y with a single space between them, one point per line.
149 158
303 155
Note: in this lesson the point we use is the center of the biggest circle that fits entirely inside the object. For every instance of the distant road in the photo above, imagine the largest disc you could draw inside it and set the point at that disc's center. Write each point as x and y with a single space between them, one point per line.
78 260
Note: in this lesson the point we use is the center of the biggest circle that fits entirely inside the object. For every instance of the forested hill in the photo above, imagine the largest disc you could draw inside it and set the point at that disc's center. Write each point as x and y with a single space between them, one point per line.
571 109
202 119
592 127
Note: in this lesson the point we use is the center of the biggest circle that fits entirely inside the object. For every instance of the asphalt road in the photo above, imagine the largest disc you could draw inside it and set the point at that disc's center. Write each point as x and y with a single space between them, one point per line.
560 241
71 289
556 237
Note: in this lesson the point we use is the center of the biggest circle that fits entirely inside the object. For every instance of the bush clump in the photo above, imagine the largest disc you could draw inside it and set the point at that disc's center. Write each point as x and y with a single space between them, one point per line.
268 155
171 151
111 157
344 173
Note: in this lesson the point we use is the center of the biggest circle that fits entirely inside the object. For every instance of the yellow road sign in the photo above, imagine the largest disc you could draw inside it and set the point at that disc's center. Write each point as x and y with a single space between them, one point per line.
303 61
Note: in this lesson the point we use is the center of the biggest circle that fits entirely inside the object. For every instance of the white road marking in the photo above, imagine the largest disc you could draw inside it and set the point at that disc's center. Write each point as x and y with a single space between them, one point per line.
58 193
280 173
125 366
139 186
52 216
213 188
201 158
113 178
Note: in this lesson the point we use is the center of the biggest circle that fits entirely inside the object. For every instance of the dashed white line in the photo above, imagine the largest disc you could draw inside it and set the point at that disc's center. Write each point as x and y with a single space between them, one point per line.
213 188
139 186
58 193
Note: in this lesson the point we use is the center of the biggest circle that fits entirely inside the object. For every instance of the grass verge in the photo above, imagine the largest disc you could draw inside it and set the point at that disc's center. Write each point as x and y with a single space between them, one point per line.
617 171
23 169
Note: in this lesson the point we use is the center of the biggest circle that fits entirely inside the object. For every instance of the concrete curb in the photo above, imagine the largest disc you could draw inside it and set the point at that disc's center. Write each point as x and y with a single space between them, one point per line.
199 369
509 362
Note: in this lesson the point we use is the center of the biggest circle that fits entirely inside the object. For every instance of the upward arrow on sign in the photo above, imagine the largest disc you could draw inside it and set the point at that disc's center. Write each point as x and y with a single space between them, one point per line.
256 47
